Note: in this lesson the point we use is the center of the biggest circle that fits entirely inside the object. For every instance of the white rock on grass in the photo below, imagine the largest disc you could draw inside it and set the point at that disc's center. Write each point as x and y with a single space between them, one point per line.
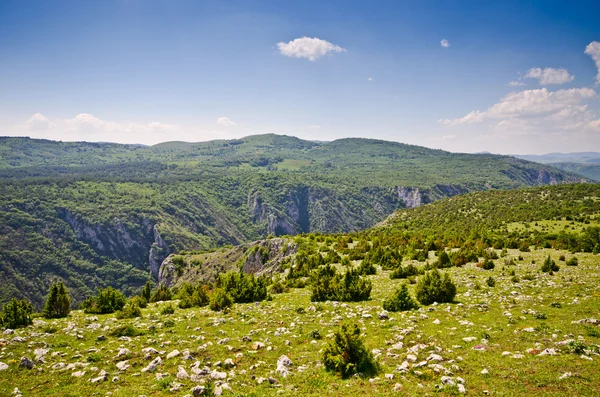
283 365
153 364
3 366
173 354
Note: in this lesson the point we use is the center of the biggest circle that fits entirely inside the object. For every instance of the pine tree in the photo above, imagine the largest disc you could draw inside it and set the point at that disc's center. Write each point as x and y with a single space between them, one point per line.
58 304
147 291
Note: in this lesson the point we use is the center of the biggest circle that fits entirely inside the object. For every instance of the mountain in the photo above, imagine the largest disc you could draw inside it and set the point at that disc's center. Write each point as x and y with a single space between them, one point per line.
586 164
561 217
551 158
97 214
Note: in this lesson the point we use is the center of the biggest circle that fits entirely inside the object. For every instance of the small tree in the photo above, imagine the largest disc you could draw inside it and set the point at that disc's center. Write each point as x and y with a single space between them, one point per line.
108 300
433 287
58 304
147 291
162 293
219 300
549 265
131 310
16 313
488 264
347 354
400 301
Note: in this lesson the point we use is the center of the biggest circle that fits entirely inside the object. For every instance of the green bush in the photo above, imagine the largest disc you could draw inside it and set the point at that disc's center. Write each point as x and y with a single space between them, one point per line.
242 287
108 300
490 282
366 268
572 261
404 271
162 293
167 309
130 310
147 291
435 287
220 300
192 295
347 354
16 313
58 303
126 330
549 265
488 264
140 301
400 301
327 284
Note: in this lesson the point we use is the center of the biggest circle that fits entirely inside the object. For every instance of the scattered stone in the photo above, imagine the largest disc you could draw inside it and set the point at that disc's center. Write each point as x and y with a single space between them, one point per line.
173 354
78 374
153 364
26 363
3 366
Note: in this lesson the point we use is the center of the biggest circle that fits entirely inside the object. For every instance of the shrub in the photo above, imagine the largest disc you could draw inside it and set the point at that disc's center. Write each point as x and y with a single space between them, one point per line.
433 287
315 334
572 261
168 323
130 310
140 301
58 304
167 309
549 265
405 271
126 330
561 258
190 296
108 300
162 293
242 287
366 268
277 288
327 284
16 313
400 301
219 300
490 282
488 264
347 355
443 260
147 291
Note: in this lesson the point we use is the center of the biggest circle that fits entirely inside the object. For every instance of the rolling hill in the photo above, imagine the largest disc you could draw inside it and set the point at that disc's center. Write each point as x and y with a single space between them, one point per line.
97 214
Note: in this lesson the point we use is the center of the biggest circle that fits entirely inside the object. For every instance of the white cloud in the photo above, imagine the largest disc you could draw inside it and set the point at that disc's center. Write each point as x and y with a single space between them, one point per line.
309 48
536 111
447 137
314 127
87 127
370 79
593 50
516 83
38 122
445 43
226 122
550 75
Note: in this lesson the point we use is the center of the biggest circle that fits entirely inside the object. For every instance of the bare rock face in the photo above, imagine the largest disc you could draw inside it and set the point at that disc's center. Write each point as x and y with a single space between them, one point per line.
265 256
158 252
411 196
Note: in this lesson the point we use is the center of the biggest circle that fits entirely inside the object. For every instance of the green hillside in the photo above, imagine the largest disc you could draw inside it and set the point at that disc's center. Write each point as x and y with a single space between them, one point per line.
98 214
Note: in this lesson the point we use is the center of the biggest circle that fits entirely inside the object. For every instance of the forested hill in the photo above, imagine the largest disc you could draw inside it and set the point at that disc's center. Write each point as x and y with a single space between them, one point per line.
97 214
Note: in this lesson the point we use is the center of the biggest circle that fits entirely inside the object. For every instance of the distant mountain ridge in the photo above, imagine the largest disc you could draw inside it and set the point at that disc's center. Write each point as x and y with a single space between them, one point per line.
98 214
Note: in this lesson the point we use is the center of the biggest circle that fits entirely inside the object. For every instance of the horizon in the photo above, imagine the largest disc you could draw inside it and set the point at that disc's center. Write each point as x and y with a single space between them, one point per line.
308 140
509 78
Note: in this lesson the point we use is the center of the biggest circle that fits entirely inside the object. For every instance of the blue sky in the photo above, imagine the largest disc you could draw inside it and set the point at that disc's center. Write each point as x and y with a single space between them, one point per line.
514 77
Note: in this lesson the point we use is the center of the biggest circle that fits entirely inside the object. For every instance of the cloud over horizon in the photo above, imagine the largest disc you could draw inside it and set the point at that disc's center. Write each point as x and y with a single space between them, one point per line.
308 48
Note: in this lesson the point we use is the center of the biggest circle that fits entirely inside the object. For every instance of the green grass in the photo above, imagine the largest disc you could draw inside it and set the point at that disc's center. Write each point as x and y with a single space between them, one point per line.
476 312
